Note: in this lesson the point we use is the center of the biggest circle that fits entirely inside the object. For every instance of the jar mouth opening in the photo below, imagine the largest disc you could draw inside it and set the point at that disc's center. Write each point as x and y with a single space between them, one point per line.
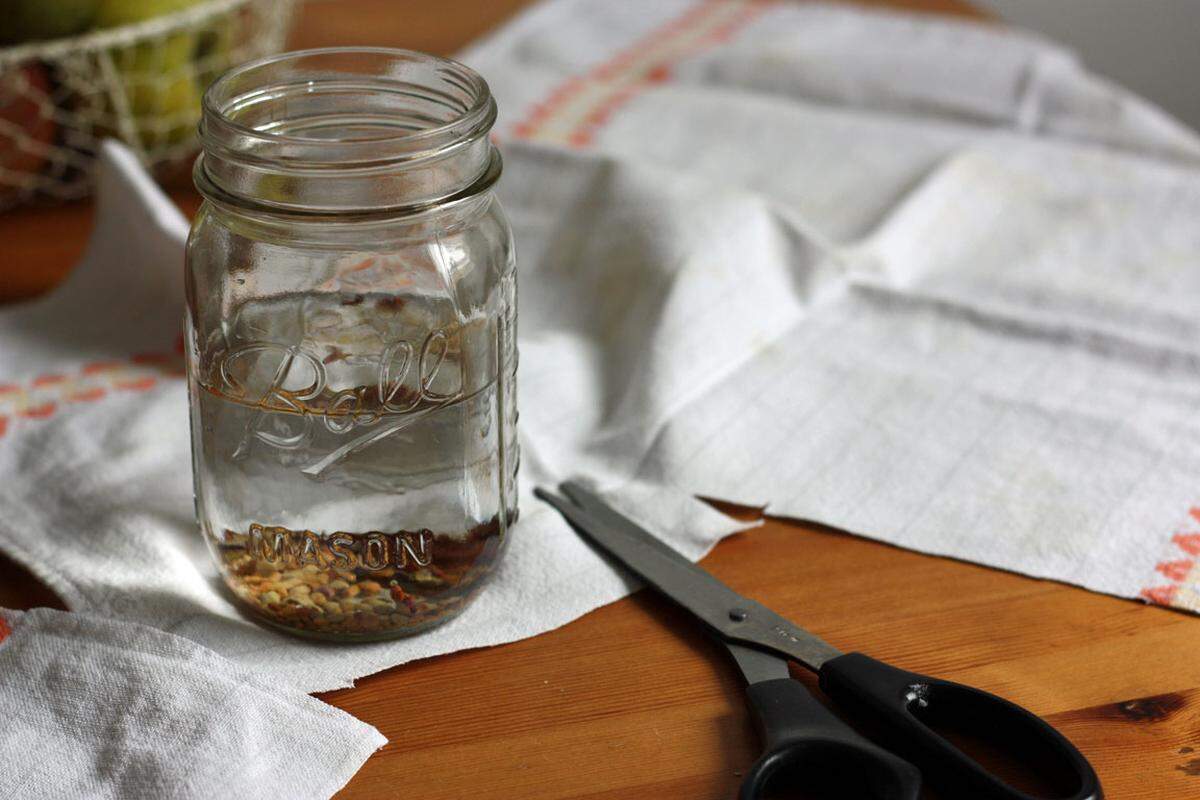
346 129
345 106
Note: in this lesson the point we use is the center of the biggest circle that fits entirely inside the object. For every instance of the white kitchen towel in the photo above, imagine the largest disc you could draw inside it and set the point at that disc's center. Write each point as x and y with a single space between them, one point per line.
97 493
981 340
943 301
99 708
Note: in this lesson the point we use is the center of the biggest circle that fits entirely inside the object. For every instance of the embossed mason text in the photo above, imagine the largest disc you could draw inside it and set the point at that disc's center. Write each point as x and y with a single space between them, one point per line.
371 551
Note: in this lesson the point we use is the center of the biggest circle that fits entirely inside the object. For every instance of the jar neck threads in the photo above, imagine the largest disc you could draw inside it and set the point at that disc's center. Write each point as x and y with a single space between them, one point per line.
347 131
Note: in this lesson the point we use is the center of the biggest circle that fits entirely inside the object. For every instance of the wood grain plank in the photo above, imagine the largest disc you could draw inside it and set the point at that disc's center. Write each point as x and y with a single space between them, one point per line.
611 705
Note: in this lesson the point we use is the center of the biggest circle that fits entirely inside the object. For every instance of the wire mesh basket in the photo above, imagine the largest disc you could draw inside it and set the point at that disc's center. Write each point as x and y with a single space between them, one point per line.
140 83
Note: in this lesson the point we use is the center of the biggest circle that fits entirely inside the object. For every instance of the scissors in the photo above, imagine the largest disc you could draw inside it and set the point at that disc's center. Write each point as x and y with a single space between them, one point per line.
807 744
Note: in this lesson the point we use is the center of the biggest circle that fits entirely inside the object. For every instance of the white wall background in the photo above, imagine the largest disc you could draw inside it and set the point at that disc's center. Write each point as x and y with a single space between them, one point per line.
1149 46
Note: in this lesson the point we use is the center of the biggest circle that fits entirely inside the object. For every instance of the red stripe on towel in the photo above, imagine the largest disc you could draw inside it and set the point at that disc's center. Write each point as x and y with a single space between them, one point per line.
44 396
581 105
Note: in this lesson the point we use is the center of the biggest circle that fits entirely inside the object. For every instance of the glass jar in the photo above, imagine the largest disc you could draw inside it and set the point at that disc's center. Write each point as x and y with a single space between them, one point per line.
351 315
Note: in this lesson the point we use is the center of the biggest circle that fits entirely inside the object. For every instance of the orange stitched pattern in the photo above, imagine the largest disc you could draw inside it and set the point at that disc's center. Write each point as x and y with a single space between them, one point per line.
45 395
5 630
575 111
1183 590
1188 542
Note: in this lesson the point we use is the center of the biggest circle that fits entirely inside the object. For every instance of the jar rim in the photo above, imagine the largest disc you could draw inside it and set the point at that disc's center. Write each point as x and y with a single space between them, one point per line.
341 129
481 109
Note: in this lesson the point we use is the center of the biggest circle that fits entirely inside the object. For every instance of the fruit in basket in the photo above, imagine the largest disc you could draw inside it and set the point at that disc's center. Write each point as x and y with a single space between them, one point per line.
31 20
26 132
160 75
214 48
141 83
124 12
161 89
176 112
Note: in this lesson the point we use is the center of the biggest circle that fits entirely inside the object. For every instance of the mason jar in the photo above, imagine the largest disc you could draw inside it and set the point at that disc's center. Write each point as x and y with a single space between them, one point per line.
351 321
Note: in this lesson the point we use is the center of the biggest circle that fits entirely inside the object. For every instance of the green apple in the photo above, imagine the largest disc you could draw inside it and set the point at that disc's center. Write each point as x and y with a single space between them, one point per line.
162 80
30 20
177 105
214 49
160 87
123 12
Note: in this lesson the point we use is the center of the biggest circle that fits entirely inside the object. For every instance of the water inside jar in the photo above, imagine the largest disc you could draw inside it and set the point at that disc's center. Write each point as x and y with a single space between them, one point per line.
356 456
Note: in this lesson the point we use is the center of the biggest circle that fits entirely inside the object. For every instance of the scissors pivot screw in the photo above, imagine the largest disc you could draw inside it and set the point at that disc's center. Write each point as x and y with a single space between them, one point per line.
738 615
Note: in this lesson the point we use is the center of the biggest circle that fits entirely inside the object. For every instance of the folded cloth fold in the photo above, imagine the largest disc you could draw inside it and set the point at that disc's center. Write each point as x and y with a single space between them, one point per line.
100 708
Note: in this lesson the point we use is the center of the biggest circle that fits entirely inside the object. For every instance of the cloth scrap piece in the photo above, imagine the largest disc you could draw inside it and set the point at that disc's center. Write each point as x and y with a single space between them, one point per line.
98 708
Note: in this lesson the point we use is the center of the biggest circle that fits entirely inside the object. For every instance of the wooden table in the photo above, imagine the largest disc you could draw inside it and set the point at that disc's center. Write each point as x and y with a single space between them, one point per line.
631 701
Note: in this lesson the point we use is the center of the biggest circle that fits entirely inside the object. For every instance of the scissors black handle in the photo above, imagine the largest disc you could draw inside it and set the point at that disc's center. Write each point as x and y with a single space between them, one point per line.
908 707
809 749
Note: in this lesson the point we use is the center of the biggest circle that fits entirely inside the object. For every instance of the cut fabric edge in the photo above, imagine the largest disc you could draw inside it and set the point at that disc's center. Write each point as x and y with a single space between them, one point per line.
1179 565
1181 593
358 740
71 596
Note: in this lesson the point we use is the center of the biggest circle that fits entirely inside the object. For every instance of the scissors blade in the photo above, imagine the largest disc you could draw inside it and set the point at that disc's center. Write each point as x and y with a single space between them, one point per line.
732 616
757 665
